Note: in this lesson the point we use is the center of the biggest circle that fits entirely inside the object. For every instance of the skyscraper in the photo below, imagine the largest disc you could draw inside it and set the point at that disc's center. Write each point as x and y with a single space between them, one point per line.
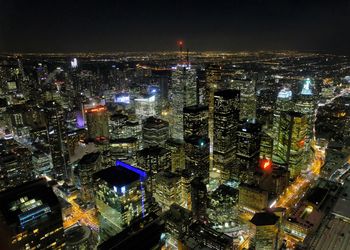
183 93
97 122
56 130
155 132
87 166
289 145
247 97
31 216
226 118
199 199
197 157
120 197
265 227
196 119
248 149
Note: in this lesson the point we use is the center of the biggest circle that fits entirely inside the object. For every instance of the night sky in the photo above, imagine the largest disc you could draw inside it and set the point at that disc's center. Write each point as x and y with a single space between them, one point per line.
153 25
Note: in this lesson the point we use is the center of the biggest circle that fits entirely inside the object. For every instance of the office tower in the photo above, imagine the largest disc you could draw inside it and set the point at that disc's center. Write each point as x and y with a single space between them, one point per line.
166 189
202 87
124 149
177 221
266 145
248 149
195 120
16 167
283 103
120 197
31 218
197 157
185 187
247 91
252 198
155 132
146 107
87 166
305 104
162 78
226 118
273 179
97 122
265 227
42 163
183 93
289 144
154 159
213 77
56 130
199 199
117 123
177 150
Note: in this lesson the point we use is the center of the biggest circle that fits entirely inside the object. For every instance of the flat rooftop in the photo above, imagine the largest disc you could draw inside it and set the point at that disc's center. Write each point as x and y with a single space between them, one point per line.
119 176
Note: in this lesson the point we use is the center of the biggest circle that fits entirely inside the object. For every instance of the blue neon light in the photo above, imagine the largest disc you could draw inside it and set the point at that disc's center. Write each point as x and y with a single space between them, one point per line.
131 168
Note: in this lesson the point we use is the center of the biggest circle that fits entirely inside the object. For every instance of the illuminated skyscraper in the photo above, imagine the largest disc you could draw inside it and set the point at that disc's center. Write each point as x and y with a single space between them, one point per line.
97 122
196 121
155 132
248 149
197 157
199 199
226 118
87 166
177 150
56 130
120 197
265 227
305 104
166 189
289 145
15 167
283 103
197 146
247 97
183 93
146 107
31 216
153 160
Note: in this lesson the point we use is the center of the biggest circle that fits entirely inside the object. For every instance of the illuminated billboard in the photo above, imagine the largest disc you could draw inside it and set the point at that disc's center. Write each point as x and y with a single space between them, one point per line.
122 98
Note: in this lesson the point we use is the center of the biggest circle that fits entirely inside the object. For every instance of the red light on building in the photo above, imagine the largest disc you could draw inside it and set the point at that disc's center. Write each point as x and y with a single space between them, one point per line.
97 109
180 43
265 164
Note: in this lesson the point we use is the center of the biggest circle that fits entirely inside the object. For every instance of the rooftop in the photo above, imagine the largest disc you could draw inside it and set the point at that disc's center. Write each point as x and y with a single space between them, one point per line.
264 219
13 201
119 176
228 93
89 158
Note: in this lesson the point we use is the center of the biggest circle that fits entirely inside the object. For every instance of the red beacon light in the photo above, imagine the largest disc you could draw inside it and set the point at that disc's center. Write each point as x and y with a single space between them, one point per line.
265 164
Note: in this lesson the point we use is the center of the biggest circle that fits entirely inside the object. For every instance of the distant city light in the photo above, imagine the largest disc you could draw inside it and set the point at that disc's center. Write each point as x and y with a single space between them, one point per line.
285 93
74 63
